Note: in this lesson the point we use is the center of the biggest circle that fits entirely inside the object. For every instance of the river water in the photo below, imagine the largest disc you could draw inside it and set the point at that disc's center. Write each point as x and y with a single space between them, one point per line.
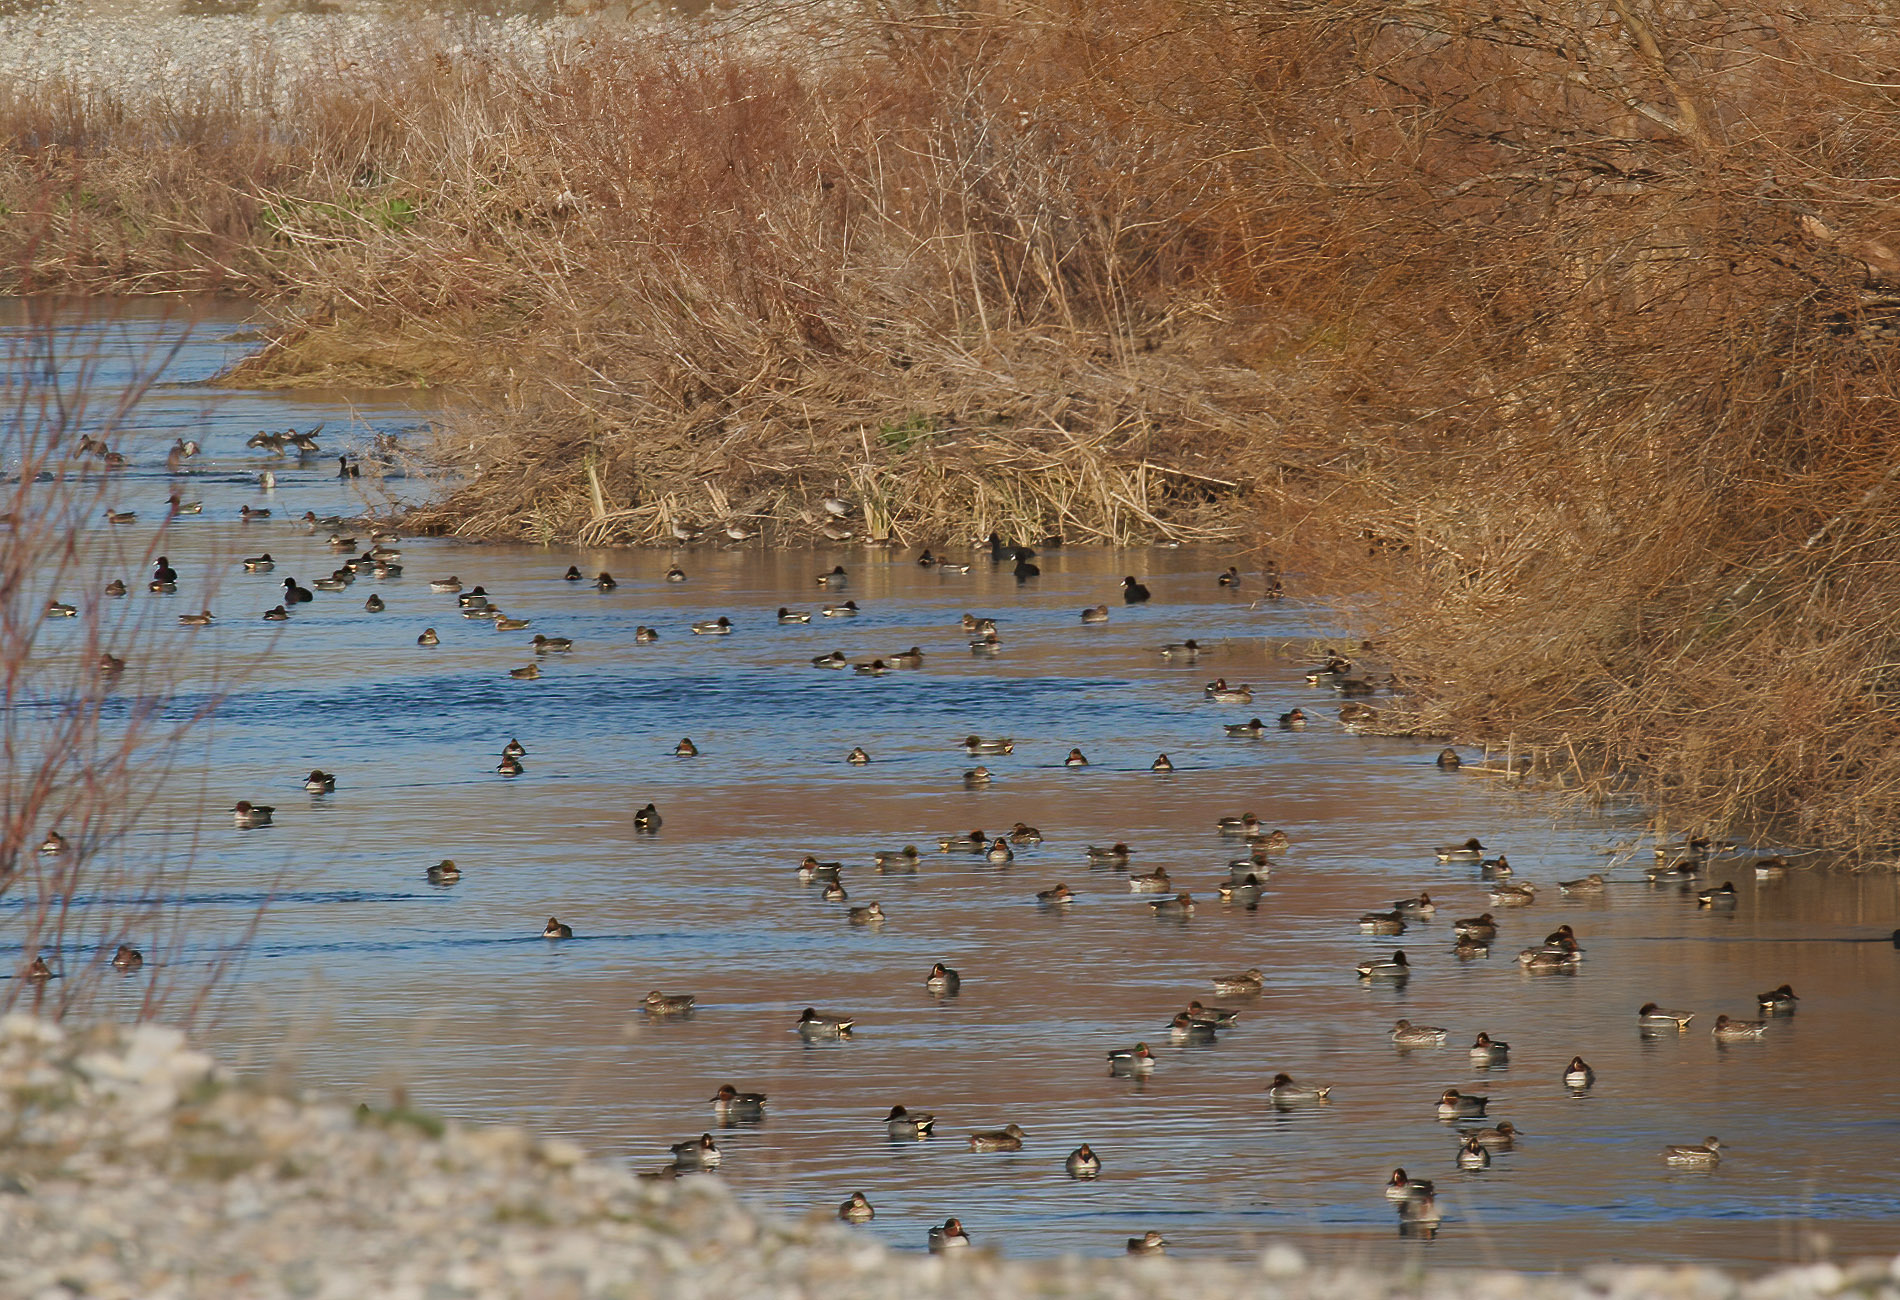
367 981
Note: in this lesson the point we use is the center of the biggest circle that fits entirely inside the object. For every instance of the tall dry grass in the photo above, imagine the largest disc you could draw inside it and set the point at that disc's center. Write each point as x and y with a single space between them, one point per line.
1568 330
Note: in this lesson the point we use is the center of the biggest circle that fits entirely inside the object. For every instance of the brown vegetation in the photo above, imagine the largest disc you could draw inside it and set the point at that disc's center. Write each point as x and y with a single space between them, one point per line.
1567 330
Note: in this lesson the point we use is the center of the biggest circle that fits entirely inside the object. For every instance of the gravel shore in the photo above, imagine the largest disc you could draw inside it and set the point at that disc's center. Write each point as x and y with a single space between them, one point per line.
136 1167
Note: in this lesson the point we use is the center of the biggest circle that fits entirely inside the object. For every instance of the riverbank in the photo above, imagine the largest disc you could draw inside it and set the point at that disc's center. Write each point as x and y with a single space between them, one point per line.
1572 339
138 1168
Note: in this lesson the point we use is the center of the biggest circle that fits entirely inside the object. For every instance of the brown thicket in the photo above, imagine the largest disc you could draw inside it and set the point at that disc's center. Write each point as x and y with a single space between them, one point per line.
1567 330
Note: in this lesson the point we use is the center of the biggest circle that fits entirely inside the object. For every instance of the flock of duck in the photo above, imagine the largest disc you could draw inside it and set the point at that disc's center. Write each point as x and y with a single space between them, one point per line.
1479 1137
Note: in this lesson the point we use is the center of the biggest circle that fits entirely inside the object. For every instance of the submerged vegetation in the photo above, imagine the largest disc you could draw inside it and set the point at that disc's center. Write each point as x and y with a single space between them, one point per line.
1568 332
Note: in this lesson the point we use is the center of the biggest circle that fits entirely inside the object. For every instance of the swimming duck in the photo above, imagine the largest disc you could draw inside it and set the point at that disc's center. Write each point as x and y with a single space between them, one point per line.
1294 721
1407 1034
857 1209
847 610
834 891
1222 1017
444 872
1466 948
812 869
1470 851
975 842
1513 895
1189 649
1448 759
977 776
793 615
1284 1090
333 583
911 658
1271 841
446 586
319 781
1578 1073
200 619
116 587
527 673
1245 824
1420 906
1590 884
1502 1138
1550 959
605 581
976 623
871 668
1021 833
904 859
122 516
514 749
37 971
573 574
1083 1163
974 745
1777 1002
295 595
942 979
1095 614
1394 967
1133 593
1075 759
904 1124
1420 1216
1162 763
686 748
696 1153
54 609
950 1236
1244 890
836 659
1400 1187
645 636
1722 895
428 636
1231 578
647 819
554 929
1181 905
1249 981
1007 1138
857 757
1486 1050
1184 1028
53 843
1221 693
988 644
1481 928
1651 1016
870 914
1249 730
1149 1243
1026 567
1381 923
1000 851
1734 1031
510 766
823 1024
247 814
1128 1061
1058 895
721 626
338 542
1769 868
127 958
1708 1153
374 604
1151 882
836 578
675 574
668 1004
1453 1104
110 665
551 645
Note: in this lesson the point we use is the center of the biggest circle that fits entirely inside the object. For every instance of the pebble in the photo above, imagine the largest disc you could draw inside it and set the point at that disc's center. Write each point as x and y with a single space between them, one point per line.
139 1167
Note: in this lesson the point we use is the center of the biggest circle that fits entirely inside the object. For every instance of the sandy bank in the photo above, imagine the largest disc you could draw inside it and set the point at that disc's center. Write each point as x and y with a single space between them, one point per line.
135 1166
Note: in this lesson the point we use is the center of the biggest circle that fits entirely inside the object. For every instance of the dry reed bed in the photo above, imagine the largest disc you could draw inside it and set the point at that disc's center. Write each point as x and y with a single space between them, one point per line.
1569 332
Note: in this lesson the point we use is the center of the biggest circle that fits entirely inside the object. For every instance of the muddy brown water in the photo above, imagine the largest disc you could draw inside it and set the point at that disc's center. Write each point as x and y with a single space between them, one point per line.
365 980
